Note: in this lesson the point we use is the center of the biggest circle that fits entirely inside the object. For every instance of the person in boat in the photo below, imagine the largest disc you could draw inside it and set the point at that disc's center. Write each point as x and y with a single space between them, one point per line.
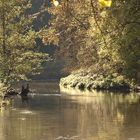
25 91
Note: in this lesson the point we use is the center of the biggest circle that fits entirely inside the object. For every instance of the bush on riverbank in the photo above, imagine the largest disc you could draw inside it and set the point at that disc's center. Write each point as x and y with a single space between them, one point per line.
4 102
2 89
84 80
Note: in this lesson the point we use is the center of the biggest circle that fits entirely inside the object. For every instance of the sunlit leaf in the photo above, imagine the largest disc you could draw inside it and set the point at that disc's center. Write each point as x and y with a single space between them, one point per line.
56 3
105 3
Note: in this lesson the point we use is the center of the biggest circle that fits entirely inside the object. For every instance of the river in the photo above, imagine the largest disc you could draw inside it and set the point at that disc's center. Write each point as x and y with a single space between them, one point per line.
53 115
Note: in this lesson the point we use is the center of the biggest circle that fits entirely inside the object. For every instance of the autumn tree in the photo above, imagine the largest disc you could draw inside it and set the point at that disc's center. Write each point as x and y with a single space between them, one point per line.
121 30
100 35
19 55
72 28
67 29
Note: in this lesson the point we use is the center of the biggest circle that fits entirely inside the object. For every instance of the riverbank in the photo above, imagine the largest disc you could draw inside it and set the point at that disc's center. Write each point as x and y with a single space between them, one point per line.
4 100
87 81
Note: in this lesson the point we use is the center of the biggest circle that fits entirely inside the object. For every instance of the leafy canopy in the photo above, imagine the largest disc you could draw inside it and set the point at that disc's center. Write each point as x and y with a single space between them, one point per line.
19 55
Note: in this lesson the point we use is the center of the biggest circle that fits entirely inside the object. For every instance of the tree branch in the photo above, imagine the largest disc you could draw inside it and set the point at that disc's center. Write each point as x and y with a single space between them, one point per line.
96 21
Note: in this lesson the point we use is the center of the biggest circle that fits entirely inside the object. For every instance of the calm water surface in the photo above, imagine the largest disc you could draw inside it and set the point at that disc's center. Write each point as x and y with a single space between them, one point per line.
96 116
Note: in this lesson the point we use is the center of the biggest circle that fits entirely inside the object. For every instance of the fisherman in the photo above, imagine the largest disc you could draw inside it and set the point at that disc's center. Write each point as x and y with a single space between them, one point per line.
24 91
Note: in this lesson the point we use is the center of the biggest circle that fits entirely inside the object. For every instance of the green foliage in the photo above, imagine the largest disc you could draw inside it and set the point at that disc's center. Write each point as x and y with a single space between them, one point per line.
103 35
121 29
19 55
68 30
106 82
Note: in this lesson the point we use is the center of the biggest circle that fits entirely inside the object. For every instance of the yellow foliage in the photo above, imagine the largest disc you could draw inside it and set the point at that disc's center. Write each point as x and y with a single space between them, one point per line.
56 3
105 3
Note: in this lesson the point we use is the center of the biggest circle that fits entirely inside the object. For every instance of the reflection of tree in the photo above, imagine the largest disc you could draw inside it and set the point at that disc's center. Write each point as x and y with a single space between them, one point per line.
1 125
100 117
96 118
131 112
15 127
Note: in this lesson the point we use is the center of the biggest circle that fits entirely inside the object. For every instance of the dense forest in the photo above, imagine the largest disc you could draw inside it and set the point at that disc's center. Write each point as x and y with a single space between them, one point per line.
99 39
96 40
19 55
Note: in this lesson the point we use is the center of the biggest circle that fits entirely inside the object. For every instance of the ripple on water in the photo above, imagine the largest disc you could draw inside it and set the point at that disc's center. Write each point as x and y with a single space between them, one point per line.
67 138
27 112
23 119
38 94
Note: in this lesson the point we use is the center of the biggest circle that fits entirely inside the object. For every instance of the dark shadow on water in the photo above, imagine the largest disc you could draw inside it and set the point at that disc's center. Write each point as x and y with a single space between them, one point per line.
25 99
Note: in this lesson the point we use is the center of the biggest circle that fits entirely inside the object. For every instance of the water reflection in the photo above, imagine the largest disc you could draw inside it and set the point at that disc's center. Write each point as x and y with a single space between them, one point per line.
100 117
25 99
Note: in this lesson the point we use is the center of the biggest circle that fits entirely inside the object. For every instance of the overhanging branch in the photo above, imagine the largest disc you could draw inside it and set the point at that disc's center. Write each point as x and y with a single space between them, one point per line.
96 21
